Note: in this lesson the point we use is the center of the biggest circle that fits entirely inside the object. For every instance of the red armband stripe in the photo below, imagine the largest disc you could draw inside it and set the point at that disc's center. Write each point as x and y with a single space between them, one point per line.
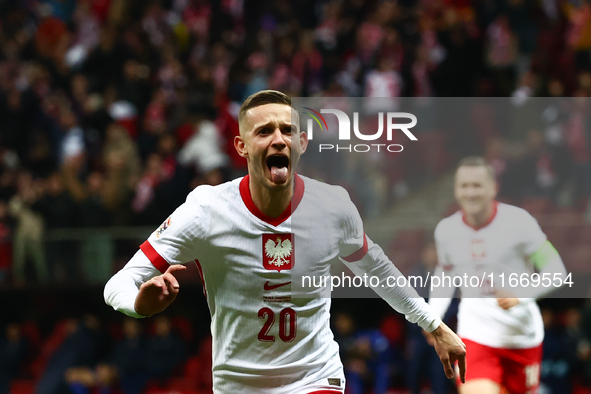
358 255
155 258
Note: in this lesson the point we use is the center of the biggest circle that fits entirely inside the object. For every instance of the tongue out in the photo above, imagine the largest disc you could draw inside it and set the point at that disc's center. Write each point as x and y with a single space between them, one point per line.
279 175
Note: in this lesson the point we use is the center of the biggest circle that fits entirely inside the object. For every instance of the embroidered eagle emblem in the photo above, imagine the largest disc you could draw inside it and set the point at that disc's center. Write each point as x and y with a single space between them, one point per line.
278 253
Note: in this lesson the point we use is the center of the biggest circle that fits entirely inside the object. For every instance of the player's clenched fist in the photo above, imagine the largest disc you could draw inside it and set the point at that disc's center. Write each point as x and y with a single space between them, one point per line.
158 293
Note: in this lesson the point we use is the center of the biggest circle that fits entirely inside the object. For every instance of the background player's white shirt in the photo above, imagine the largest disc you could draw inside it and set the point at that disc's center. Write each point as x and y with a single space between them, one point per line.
502 245
264 341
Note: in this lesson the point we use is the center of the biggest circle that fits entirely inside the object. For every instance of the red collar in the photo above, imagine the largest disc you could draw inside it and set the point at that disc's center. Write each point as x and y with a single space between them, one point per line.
489 221
298 194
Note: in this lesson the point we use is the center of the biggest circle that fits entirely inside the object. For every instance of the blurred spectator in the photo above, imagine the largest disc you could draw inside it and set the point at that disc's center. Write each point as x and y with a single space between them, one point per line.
6 235
96 250
147 207
578 36
122 165
29 234
539 163
165 350
72 143
373 363
584 345
385 82
560 344
307 65
13 349
84 380
16 108
81 347
421 73
60 212
203 151
134 87
129 358
578 140
501 54
366 355
344 330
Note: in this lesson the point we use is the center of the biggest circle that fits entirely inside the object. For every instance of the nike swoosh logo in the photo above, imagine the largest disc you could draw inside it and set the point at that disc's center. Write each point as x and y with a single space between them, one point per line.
268 287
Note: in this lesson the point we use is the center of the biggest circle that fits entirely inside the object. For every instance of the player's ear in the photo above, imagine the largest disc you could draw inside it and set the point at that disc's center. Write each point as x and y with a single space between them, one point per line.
303 141
240 146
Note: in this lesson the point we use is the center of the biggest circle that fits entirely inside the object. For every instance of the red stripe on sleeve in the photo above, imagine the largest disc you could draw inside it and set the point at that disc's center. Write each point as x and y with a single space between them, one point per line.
201 276
358 255
157 260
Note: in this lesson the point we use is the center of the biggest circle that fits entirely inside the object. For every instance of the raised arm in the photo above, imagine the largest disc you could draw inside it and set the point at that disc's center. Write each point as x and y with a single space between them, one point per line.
147 285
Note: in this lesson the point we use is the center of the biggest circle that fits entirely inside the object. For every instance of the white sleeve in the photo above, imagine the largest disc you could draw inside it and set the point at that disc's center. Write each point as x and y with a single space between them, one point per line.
530 233
404 300
122 289
178 239
440 297
353 242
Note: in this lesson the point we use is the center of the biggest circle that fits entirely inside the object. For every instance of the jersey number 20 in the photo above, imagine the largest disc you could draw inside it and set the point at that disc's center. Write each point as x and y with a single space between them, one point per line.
287 324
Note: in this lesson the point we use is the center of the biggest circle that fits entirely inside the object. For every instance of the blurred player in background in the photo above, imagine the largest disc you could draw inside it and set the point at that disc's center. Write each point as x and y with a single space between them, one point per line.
503 334
243 239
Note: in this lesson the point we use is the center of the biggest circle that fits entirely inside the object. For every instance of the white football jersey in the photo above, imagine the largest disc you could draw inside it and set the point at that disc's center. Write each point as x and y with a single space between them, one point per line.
503 245
264 339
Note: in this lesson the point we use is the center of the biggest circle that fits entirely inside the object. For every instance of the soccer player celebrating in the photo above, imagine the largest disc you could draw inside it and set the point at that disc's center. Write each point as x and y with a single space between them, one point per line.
503 334
248 248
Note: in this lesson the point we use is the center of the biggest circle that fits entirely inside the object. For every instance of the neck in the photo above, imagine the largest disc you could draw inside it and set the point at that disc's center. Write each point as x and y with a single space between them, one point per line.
272 203
479 219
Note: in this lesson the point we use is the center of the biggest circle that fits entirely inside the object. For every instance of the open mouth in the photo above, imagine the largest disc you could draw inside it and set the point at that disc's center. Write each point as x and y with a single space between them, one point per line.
278 161
278 166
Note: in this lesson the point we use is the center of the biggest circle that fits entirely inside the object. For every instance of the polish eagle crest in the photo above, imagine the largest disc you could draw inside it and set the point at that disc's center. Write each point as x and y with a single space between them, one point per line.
278 253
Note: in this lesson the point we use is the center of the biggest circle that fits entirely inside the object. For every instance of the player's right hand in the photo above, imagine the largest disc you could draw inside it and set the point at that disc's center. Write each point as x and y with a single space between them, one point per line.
158 293
450 348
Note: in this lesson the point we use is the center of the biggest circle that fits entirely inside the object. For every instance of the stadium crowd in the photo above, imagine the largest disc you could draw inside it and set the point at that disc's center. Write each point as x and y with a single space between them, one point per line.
112 110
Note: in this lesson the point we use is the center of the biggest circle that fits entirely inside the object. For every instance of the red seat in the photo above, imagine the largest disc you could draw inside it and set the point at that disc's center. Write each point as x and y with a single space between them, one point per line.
22 386
49 346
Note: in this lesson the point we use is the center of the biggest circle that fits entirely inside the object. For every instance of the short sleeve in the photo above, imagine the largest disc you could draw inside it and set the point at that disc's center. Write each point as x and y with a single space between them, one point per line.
353 245
177 239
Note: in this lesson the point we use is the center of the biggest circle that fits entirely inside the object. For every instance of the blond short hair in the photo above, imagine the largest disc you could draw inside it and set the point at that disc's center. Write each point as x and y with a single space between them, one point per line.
477 161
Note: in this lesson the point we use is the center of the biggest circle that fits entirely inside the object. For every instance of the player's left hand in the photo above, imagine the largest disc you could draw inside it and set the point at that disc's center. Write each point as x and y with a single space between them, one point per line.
506 300
450 348
158 293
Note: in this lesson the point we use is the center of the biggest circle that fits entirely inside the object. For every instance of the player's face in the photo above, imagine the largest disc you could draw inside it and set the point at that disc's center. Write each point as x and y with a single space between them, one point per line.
271 145
475 190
